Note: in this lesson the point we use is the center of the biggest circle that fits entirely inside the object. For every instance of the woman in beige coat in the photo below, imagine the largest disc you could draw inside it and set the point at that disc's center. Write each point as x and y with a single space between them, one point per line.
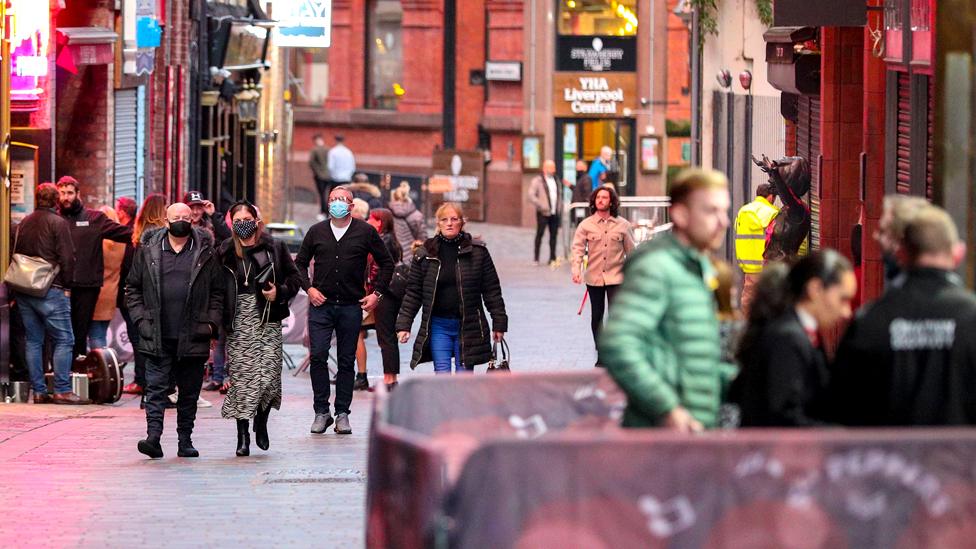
113 253
605 240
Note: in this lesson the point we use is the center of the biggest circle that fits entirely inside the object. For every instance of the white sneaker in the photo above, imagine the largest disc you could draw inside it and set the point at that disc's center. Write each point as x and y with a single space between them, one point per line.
203 403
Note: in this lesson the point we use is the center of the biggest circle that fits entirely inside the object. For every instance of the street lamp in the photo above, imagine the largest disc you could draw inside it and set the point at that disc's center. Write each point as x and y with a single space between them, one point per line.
688 13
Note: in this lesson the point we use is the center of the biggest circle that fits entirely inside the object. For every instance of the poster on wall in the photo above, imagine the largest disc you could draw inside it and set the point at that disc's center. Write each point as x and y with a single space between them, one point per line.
23 180
458 177
532 153
650 154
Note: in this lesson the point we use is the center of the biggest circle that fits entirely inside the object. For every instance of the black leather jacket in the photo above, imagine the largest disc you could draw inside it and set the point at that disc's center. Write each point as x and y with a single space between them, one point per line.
285 278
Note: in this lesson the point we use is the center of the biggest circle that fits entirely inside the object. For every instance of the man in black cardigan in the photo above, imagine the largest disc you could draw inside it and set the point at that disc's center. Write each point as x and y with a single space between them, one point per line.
339 247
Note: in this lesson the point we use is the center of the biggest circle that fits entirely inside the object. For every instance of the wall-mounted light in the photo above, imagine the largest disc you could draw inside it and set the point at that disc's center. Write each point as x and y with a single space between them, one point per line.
724 78
745 79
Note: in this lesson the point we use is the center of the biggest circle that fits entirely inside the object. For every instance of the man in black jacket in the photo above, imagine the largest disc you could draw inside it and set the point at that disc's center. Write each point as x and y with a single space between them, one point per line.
339 248
910 357
175 297
206 217
44 234
88 229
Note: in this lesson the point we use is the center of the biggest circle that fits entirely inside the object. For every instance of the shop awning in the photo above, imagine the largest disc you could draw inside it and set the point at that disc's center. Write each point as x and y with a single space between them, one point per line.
820 13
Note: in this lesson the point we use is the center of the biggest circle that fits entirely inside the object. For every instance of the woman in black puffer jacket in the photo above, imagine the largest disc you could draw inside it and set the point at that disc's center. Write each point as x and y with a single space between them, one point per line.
451 276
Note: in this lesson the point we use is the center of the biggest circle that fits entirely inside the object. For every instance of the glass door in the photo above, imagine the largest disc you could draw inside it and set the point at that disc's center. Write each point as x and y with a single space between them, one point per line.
584 138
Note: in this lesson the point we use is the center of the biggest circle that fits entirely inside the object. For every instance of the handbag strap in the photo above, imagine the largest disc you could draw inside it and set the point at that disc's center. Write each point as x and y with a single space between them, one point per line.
505 350
16 238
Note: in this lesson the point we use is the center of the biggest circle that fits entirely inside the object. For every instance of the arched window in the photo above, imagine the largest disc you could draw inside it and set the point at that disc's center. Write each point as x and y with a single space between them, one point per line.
384 70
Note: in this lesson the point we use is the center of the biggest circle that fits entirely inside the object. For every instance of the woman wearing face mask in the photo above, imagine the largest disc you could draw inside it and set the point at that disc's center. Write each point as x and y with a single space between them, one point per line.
261 280
450 278
784 369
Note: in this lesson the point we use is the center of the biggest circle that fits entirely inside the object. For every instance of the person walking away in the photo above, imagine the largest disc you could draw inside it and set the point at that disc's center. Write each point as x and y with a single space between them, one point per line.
730 325
88 229
151 216
47 235
127 209
605 240
909 359
784 368
175 294
339 247
661 343
545 193
581 192
386 311
113 254
750 239
364 190
409 224
450 279
318 162
255 303
342 163
601 164
896 213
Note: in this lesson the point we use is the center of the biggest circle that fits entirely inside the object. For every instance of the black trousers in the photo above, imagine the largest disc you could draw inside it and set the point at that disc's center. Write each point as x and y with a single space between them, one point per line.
140 359
323 187
345 322
386 314
188 373
600 298
552 223
83 301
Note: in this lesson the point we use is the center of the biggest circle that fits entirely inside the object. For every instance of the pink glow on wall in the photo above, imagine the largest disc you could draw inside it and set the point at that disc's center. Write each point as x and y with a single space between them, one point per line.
30 34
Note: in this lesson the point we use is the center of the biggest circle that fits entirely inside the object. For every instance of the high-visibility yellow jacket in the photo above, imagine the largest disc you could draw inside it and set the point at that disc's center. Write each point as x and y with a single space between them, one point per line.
750 233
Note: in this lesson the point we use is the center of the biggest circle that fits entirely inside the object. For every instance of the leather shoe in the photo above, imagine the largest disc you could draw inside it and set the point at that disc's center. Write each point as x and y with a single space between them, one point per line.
132 389
261 429
186 449
211 386
243 439
150 446
42 398
69 398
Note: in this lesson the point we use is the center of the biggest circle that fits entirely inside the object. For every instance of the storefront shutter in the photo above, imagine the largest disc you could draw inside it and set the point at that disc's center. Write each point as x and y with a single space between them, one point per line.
127 143
930 147
808 146
903 139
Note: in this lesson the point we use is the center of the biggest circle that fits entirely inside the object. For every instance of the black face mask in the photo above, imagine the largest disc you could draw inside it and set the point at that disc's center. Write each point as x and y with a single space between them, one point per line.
179 229
245 228
580 174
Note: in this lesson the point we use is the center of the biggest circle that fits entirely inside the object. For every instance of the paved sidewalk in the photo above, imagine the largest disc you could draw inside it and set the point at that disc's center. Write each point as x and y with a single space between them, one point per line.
71 476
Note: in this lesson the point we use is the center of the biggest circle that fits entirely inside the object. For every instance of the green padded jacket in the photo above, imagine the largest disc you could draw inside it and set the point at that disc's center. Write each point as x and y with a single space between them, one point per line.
661 343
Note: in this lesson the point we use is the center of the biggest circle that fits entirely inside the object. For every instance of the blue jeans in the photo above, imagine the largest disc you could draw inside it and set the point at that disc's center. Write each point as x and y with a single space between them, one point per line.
98 334
445 342
50 314
345 321
219 359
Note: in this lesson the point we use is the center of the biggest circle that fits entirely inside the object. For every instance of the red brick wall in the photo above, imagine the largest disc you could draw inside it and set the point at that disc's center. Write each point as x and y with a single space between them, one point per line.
872 278
470 55
83 140
842 100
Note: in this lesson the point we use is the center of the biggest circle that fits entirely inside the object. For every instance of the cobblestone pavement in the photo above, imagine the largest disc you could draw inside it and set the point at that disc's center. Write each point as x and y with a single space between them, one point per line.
71 476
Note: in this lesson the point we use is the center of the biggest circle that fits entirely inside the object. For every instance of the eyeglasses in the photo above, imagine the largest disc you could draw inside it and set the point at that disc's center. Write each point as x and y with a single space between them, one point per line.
449 220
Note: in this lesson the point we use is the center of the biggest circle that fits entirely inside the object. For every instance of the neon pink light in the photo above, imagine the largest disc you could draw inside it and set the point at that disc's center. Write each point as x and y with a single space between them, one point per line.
30 33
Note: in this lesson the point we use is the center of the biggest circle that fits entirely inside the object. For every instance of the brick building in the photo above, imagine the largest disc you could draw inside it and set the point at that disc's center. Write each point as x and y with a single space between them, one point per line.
384 84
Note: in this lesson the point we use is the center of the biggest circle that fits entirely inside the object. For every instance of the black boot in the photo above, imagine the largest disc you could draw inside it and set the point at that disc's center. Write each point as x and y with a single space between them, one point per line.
186 449
261 428
243 438
361 383
150 446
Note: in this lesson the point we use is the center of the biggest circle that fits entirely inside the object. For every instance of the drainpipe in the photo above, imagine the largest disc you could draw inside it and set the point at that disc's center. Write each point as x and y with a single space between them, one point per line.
532 67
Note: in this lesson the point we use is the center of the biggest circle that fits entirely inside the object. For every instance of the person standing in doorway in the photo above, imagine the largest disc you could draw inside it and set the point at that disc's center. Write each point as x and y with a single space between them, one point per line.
605 239
88 229
750 239
581 193
337 294
341 162
318 161
601 164
175 294
546 194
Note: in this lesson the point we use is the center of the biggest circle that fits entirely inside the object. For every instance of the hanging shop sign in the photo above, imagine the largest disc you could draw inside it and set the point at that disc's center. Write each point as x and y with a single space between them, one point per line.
596 53
458 177
589 95
503 71
29 28
303 23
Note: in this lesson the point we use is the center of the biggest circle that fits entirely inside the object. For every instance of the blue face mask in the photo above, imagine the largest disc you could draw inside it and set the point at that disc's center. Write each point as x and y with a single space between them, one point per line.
338 209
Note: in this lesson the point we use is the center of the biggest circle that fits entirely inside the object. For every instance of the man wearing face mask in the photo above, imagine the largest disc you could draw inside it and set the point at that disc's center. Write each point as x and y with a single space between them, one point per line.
175 297
339 248
88 229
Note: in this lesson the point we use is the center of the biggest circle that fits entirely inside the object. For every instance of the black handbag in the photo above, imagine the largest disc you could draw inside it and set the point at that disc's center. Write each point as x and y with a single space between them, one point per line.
264 276
500 363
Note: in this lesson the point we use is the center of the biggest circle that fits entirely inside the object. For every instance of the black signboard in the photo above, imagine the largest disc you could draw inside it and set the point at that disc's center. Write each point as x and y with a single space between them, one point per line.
596 53
822 13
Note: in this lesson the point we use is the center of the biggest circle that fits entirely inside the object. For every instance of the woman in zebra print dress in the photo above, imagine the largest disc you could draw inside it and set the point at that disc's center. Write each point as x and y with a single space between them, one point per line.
255 305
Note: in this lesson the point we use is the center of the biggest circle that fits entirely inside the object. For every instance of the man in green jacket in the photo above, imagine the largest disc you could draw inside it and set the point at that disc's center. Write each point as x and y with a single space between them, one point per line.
661 343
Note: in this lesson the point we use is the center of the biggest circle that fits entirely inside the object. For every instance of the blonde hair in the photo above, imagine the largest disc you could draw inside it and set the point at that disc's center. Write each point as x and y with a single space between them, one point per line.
401 193
930 231
110 213
442 209
696 179
725 280
360 208
152 215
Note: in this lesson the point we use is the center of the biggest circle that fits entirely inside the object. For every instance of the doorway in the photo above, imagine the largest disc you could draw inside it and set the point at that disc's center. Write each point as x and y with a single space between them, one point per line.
578 138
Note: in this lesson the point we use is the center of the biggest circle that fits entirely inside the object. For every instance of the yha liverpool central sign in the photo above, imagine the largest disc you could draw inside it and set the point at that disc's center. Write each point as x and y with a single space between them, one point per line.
588 95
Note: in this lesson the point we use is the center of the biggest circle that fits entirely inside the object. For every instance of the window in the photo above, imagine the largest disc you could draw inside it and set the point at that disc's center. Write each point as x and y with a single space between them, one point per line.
384 70
309 78
598 17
